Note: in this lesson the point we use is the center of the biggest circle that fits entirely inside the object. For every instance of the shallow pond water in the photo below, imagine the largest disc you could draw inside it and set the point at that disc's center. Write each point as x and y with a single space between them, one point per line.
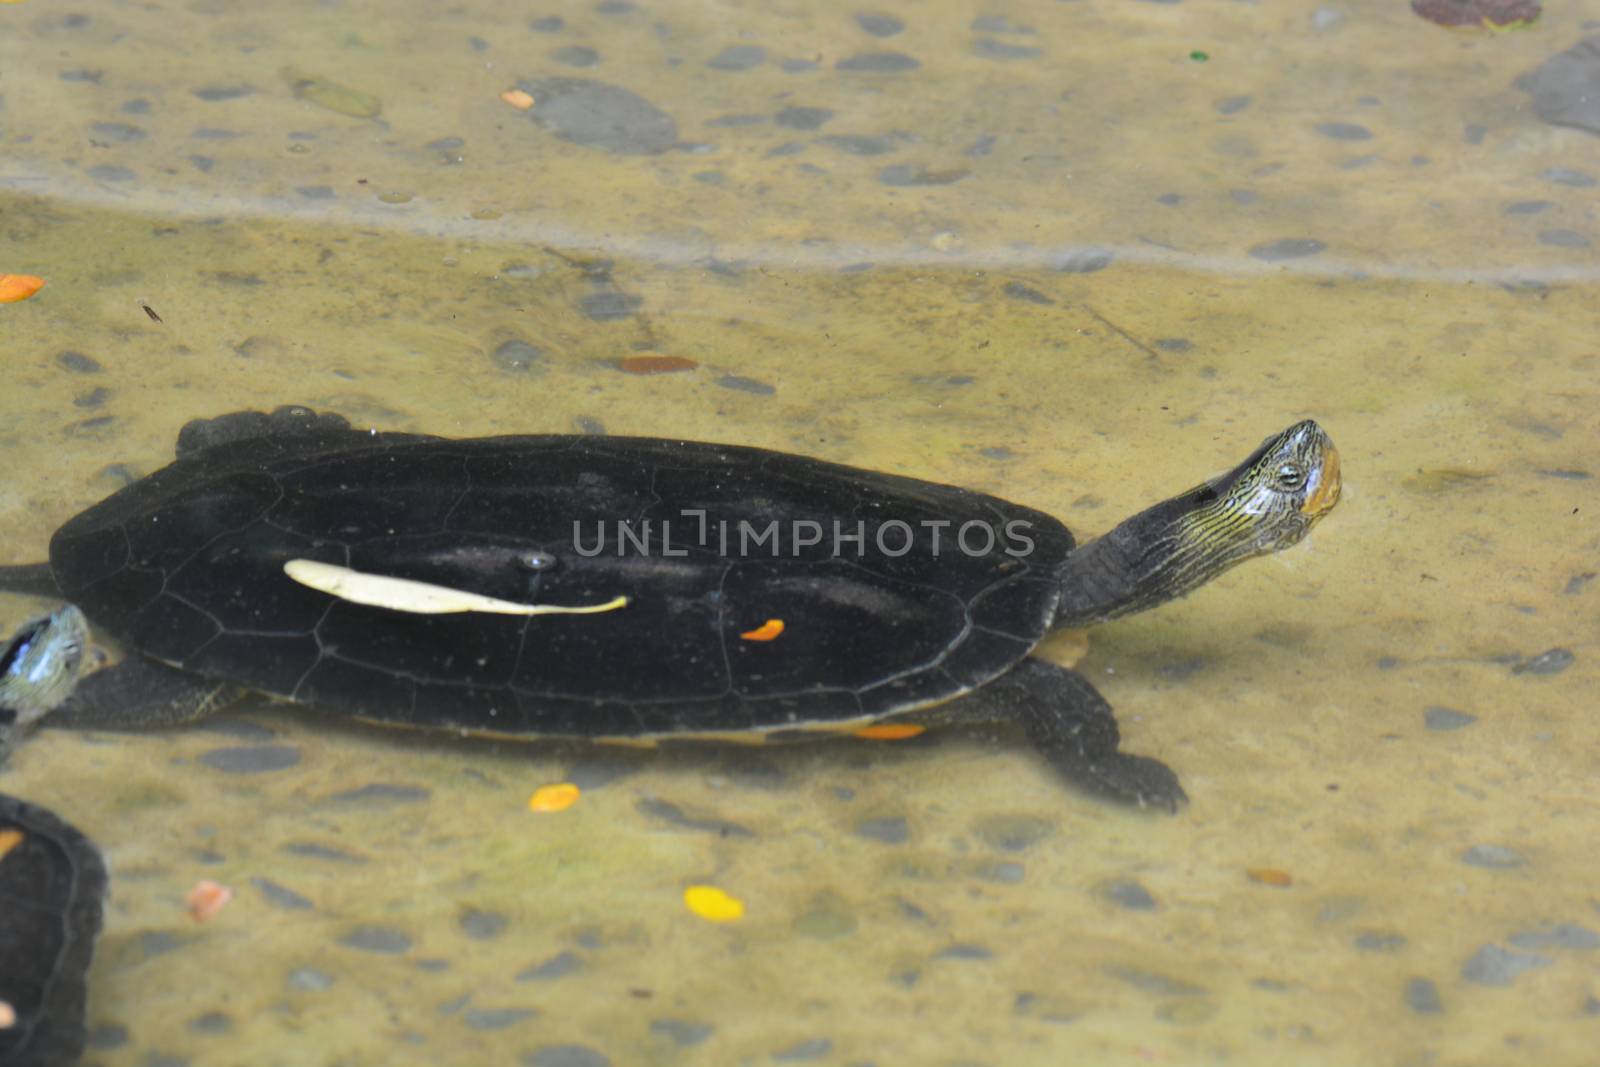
1080 255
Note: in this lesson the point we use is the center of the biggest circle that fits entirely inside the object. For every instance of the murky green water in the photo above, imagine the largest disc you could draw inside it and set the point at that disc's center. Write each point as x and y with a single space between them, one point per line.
1049 252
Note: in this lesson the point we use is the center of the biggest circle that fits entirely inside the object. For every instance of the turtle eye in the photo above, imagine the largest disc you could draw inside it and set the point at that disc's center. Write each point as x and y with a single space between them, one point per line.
1290 476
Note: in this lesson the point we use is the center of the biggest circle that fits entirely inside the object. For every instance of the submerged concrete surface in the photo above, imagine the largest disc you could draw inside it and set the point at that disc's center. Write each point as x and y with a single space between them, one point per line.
1043 253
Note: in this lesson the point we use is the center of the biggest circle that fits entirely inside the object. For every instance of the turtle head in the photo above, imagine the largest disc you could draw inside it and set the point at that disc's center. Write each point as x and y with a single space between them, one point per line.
41 664
1265 504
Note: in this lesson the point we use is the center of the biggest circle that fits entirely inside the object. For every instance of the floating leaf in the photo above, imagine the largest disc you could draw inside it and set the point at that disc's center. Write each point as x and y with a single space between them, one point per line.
712 904
206 899
552 798
518 99
1270 876
15 287
891 731
655 364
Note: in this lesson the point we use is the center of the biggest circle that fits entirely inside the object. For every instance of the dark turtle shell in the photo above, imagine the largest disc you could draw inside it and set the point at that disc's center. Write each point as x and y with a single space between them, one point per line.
52 894
186 566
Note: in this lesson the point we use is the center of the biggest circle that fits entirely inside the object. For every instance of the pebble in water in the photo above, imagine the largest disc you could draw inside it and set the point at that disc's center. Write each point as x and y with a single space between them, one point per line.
597 115
1566 87
891 830
482 925
517 356
78 363
557 966
309 980
738 57
1551 661
814 1049
1344 131
383 940
746 385
496 1018
1127 893
1287 248
1439 717
1493 965
877 63
565 1056
1422 996
802 118
681 1032
879 25
1013 833
1561 935
1493 857
251 759
281 896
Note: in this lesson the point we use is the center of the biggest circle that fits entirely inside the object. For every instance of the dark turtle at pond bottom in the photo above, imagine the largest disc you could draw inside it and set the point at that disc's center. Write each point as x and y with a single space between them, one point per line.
52 879
627 588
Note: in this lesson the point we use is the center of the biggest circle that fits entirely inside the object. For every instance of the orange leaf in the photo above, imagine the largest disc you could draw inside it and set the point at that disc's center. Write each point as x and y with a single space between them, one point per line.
655 364
9 839
552 798
15 287
765 632
517 99
206 899
1270 876
891 731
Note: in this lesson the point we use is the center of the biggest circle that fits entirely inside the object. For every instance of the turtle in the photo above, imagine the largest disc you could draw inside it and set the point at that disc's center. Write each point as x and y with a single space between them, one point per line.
631 589
53 880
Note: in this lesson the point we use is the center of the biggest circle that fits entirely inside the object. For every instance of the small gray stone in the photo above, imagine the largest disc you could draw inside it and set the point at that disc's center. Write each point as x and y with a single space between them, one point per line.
1566 87
119 131
1287 248
879 25
309 980
1005 873
214 93
251 759
1563 239
322 852
746 385
1493 965
381 794
557 966
989 48
597 115
802 118
1439 717
670 812
814 1049
576 55
517 355
1528 207
78 363
281 896
1013 833
1083 261
1561 935
964 950
109 173
383 940
1018 291
211 1022
1379 941
565 1056
496 1018
548 24
891 830
482 925
158 943
1493 857
609 305
1152 982
877 63
1578 179
861 144
1422 997
905 175
738 57
1550 661
1127 893
681 1032
1344 131
1232 105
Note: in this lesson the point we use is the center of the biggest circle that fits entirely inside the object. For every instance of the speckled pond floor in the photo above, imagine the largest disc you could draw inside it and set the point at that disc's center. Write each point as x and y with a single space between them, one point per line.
1081 255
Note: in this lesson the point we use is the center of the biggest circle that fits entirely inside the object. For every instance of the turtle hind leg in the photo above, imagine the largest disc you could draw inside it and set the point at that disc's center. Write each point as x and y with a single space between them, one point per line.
141 694
1073 728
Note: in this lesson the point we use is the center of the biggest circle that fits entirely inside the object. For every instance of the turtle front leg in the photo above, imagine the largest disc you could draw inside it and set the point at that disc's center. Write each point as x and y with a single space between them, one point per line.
141 694
1072 727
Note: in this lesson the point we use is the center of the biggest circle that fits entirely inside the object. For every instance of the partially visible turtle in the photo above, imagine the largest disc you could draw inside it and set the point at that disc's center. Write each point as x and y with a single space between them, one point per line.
464 585
52 879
